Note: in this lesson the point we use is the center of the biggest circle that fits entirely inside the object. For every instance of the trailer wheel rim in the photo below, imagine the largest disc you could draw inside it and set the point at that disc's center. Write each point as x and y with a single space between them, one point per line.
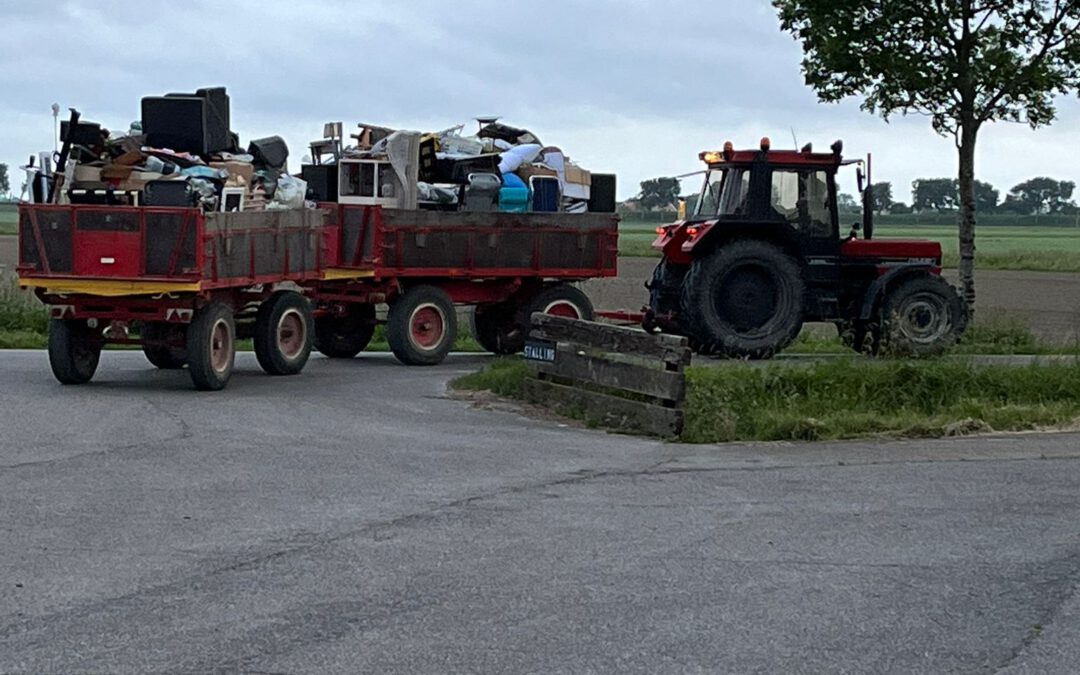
291 334
563 308
427 327
924 318
221 346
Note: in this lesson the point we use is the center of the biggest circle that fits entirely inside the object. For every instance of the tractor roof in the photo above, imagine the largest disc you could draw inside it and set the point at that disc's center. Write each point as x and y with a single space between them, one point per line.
804 157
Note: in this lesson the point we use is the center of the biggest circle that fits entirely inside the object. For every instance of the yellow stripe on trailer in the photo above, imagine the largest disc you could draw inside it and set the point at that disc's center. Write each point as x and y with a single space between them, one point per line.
108 288
338 273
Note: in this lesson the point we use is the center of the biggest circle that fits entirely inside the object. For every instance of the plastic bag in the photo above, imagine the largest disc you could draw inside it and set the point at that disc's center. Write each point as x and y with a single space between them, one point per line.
290 193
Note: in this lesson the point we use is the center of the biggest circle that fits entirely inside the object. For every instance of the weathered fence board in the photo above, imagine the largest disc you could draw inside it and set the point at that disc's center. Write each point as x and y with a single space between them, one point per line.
668 348
620 378
607 411
661 384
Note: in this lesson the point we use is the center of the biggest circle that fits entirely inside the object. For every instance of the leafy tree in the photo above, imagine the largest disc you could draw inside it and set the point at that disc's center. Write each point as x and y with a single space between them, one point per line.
1041 195
845 203
934 194
963 63
882 195
986 197
899 208
5 184
659 193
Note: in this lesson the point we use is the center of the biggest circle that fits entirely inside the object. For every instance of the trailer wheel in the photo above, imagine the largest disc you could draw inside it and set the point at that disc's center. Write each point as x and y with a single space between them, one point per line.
343 337
421 326
161 345
922 316
497 327
561 300
745 300
283 333
74 350
211 347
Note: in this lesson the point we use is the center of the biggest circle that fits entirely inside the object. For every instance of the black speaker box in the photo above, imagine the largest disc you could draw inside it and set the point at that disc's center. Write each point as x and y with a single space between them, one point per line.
602 193
270 152
168 193
196 123
322 181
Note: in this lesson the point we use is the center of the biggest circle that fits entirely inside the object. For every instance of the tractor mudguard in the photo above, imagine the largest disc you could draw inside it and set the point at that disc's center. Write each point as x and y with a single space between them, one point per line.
882 282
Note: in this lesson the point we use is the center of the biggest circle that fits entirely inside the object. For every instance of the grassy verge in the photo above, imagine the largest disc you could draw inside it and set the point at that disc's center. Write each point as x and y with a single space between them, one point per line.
853 398
9 218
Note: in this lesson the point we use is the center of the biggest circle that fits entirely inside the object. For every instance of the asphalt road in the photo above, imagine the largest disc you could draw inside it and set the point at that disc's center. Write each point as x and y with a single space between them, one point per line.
354 519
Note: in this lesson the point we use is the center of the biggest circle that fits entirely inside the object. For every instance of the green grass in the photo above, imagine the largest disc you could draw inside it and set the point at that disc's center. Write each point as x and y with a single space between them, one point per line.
1035 248
9 218
852 398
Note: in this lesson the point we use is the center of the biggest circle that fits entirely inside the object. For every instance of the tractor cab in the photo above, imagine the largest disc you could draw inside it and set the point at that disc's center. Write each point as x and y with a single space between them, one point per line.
764 250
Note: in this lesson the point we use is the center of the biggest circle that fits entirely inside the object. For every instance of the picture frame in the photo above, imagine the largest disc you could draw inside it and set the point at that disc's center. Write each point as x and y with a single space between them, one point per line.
232 199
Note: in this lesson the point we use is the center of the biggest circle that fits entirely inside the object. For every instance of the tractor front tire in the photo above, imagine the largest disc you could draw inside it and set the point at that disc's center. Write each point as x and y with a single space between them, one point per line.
921 316
745 300
421 326
665 289
74 350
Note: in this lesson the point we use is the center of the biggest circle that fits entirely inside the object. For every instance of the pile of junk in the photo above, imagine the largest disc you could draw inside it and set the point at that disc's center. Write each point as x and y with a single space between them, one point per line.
499 168
182 152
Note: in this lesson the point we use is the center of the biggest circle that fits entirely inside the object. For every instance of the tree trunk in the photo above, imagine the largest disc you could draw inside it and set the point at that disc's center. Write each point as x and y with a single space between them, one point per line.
967 213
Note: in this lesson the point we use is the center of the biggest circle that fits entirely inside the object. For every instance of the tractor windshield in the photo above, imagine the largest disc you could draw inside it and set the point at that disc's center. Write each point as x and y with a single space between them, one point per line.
724 193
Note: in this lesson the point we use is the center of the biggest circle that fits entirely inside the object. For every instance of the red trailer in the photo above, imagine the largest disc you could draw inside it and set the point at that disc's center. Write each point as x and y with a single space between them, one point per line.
186 285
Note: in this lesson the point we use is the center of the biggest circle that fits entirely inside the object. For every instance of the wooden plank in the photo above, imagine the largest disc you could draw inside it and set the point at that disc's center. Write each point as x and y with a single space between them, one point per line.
609 412
667 348
640 379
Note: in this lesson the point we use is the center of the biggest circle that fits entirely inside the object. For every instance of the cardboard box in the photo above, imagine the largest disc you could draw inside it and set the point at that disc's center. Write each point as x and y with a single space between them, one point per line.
527 171
243 169
575 174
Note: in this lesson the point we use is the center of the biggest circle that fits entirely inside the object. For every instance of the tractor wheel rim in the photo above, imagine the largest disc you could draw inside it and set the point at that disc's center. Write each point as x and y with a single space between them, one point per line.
221 346
563 308
749 298
291 334
427 327
924 318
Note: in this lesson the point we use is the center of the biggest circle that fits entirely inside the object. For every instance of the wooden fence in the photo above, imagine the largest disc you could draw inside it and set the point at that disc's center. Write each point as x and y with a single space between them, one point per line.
618 378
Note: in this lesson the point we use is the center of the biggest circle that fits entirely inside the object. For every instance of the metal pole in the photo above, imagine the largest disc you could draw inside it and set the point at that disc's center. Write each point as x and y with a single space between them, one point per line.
56 126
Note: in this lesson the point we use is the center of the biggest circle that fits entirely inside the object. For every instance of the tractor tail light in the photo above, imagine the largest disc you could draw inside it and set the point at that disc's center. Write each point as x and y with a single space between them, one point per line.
659 230
692 231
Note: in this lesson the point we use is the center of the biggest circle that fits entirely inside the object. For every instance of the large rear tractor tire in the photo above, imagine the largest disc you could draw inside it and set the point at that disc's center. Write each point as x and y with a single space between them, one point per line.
745 300
922 316
211 346
343 337
163 344
421 326
283 333
74 350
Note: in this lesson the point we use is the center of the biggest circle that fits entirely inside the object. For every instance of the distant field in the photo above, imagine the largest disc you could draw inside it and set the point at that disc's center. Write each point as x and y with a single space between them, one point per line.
9 218
1051 249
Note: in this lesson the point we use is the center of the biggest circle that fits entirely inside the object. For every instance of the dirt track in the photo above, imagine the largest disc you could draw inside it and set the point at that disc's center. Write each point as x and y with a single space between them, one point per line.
1048 301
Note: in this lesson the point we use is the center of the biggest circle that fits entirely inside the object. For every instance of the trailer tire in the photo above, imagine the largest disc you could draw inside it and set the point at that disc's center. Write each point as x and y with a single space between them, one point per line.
283 333
157 348
343 337
421 326
561 300
497 327
921 316
74 350
211 346
745 300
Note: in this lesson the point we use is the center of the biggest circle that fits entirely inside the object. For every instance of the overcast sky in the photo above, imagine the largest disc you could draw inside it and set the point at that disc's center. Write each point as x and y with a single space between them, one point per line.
634 88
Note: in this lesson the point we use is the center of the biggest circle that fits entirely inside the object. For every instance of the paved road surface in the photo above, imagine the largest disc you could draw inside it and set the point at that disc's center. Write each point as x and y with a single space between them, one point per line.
1048 301
353 519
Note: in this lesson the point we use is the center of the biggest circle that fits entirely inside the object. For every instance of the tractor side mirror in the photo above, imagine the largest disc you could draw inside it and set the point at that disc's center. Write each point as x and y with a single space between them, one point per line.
860 178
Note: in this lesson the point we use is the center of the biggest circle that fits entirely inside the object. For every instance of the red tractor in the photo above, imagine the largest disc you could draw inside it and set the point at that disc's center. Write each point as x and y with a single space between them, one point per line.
762 253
